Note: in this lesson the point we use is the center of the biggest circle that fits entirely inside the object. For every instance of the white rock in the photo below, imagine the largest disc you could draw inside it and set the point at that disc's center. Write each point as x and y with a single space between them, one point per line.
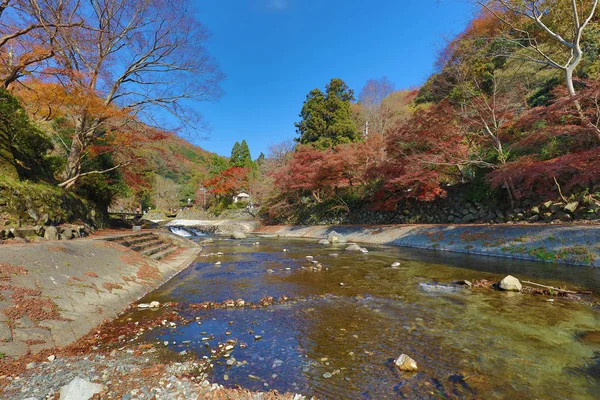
405 363
335 237
154 304
218 263
396 264
353 247
80 389
143 305
31 365
363 250
51 358
309 258
324 241
238 235
510 283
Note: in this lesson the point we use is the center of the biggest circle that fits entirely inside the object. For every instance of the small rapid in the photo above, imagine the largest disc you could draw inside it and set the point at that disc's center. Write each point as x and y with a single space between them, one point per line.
186 232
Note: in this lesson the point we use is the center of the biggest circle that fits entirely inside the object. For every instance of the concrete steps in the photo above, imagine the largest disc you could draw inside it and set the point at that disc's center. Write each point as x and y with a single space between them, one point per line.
147 243
165 253
156 249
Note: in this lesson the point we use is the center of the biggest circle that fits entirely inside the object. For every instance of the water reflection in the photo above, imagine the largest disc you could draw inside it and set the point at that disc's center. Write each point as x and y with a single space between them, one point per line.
339 341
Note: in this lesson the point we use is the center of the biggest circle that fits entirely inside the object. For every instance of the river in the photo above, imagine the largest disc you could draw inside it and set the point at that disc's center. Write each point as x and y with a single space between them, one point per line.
350 320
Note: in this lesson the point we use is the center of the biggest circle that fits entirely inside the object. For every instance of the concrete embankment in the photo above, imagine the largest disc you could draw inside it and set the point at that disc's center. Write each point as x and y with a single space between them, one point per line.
54 292
568 244
223 226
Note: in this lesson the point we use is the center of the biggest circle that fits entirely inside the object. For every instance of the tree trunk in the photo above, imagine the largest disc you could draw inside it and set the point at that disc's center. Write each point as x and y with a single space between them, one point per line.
569 82
82 138
73 167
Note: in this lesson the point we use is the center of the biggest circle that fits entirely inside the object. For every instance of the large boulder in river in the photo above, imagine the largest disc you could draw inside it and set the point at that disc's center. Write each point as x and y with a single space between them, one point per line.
510 283
405 363
335 237
238 235
324 241
353 247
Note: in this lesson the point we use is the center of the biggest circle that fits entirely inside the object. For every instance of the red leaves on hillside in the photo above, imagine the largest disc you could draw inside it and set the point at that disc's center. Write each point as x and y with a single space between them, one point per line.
533 177
229 182
423 153
321 172
561 142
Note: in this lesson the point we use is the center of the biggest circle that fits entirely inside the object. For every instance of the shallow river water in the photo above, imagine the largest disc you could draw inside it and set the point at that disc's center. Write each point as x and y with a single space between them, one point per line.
351 320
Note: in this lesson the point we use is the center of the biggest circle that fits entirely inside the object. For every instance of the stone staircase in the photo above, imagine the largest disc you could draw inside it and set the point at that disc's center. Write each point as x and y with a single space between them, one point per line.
148 244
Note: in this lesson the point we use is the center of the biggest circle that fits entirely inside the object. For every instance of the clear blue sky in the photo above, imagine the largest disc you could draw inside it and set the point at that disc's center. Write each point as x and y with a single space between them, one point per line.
275 51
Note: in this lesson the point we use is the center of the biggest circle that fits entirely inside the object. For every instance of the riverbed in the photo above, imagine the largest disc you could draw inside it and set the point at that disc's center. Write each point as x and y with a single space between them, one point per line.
346 321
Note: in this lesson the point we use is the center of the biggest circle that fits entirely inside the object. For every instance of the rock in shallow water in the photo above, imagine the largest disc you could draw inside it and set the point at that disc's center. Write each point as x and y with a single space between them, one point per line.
510 283
405 363
324 241
335 237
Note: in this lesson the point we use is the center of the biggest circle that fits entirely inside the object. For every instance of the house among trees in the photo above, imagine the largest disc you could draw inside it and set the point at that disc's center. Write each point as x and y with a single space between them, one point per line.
241 197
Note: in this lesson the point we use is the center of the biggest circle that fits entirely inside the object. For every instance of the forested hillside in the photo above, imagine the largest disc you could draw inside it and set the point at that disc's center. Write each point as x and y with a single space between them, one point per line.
96 96
510 118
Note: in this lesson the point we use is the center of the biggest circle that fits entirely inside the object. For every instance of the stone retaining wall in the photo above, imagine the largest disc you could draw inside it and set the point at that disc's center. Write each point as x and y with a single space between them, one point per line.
458 207
38 205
